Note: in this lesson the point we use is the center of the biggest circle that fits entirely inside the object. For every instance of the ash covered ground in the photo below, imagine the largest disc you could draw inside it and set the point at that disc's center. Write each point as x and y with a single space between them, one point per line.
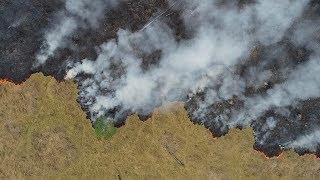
235 63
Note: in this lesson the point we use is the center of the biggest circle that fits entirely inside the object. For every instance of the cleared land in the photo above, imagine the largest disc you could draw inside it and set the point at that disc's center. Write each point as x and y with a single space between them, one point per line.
44 133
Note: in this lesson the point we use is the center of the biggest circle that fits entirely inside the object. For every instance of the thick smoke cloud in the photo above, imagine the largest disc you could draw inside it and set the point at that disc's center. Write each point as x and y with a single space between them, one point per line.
218 70
77 14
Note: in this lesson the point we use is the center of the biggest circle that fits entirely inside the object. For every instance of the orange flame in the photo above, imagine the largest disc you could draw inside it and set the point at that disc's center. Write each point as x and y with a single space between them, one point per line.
312 154
280 155
213 137
4 81
262 154
277 157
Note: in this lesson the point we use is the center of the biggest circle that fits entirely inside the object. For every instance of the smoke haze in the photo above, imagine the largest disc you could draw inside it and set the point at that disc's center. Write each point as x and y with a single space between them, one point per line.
76 14
203 70
235 63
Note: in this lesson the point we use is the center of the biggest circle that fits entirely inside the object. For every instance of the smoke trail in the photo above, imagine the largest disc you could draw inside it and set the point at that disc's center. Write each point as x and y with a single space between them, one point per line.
309 141
239 65
77 14
218 40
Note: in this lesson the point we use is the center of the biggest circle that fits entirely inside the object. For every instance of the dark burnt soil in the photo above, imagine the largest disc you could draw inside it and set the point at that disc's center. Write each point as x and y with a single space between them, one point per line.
300 120
21 42
22 27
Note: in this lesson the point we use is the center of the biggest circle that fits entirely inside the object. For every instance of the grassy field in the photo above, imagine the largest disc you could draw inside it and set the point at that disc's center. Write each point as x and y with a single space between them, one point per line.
44 134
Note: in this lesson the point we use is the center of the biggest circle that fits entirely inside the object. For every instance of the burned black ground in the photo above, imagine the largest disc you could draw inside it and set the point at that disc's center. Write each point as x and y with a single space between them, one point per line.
22 26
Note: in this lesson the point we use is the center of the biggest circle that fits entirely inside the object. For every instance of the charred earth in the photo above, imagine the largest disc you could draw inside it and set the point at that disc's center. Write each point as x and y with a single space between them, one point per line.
267 68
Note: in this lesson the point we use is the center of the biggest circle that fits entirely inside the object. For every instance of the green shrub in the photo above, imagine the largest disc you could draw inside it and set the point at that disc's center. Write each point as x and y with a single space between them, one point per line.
104 127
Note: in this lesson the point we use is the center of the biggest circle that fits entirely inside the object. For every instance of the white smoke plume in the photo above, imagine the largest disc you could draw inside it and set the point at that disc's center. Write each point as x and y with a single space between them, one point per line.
302 84
184 65
120 81
309 141
76 14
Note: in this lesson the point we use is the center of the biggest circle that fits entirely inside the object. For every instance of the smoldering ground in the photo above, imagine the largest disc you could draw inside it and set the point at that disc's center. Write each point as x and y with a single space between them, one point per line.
234 63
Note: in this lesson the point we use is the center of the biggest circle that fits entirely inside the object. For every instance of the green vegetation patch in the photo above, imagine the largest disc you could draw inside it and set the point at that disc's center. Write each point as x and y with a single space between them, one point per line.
44 134
104 127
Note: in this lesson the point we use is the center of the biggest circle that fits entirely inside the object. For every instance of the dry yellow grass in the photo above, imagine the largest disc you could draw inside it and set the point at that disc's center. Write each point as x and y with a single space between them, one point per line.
44 134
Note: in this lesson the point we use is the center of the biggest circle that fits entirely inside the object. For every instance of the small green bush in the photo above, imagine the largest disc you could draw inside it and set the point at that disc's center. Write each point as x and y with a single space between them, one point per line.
104 127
